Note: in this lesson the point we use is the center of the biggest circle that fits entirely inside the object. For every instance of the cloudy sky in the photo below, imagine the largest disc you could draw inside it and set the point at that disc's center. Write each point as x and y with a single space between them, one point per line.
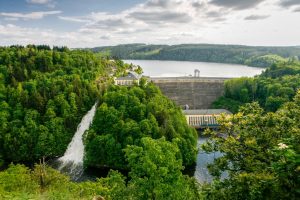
90 23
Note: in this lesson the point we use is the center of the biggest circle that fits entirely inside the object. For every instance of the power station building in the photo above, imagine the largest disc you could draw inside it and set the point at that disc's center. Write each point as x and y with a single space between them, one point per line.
204 118
128 80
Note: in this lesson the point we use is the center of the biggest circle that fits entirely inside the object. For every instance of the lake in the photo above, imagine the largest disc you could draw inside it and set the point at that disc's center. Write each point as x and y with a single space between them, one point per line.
160 68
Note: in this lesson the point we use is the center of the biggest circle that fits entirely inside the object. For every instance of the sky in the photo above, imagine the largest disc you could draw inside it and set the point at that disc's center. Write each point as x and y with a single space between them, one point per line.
91 23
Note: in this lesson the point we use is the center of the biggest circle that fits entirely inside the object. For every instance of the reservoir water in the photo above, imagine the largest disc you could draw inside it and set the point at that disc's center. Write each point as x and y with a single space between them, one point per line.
159 68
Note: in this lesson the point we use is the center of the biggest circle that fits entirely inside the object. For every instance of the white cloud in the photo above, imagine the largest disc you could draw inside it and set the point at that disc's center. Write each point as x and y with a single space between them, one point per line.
48 3
12 34
256 17
168 22
28 16
289 3
74 19
237 4
11 19
39 1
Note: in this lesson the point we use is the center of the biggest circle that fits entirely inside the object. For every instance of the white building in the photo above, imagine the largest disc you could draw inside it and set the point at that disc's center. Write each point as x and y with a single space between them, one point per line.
128 80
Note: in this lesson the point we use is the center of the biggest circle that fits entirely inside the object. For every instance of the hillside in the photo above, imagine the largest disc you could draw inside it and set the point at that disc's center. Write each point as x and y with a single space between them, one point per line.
236 54
272 89
45 92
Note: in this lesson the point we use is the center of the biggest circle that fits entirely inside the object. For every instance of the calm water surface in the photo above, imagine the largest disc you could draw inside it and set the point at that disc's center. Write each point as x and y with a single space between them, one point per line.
203 159
159 68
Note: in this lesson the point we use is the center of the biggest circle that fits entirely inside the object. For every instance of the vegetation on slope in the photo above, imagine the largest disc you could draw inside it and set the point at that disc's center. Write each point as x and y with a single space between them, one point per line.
275 86
236 54
126 115
155 173
43 95
266 60
261 153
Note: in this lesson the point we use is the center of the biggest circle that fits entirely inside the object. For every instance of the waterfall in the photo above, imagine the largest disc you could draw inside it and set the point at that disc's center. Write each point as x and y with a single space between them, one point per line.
71 162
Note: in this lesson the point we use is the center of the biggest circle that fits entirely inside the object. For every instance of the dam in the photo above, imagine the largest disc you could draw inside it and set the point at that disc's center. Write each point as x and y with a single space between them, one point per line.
191 92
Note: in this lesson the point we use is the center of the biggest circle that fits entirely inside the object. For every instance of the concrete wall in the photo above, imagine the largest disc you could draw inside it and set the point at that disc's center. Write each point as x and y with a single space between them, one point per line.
197 93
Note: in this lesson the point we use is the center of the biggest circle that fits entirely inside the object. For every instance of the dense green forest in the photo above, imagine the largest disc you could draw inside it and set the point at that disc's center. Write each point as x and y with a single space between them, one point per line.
275 86
261 153
261 143
155 173
45 92
43 95
237 54
126 115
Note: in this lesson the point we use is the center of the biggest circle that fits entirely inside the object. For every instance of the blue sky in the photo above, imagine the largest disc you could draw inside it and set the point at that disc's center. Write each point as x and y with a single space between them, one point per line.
89 23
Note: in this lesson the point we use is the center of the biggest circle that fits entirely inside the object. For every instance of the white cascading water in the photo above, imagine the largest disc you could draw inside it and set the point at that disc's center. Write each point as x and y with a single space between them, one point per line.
72 161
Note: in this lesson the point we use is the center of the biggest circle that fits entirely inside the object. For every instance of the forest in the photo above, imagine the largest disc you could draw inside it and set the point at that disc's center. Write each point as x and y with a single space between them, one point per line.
127 115
44 92
261 154
277 85
255 56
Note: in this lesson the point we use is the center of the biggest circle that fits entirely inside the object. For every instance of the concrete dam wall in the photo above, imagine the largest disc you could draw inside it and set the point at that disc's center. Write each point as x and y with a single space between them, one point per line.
196 92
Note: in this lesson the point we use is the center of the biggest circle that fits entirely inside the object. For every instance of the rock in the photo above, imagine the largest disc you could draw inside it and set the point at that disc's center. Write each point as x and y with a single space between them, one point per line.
98 198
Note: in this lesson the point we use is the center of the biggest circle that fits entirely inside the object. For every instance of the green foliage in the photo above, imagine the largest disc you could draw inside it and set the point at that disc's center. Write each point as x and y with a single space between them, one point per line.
280 69
252 56
265 60
19 182
126 115
17 178
227 103
155 174
261 154
156 171
43 95
274 87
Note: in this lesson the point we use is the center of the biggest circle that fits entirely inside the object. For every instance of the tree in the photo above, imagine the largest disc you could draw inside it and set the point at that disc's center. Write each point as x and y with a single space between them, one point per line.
155 171
260 153
126 115
43 95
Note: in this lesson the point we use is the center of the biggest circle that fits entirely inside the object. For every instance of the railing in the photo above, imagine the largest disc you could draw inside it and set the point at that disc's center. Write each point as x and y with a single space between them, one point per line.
187 79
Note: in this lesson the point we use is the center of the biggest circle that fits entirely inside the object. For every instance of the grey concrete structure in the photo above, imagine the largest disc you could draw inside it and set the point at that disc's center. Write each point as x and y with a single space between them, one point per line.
196 92
204 118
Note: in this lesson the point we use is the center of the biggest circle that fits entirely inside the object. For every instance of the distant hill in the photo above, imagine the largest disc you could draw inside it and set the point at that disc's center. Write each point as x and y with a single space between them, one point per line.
258 56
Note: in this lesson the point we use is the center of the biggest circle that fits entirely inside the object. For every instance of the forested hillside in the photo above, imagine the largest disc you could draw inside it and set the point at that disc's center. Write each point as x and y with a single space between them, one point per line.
261 146
43 95
275 86
261 154
237 54
45 92
127 115
154 173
